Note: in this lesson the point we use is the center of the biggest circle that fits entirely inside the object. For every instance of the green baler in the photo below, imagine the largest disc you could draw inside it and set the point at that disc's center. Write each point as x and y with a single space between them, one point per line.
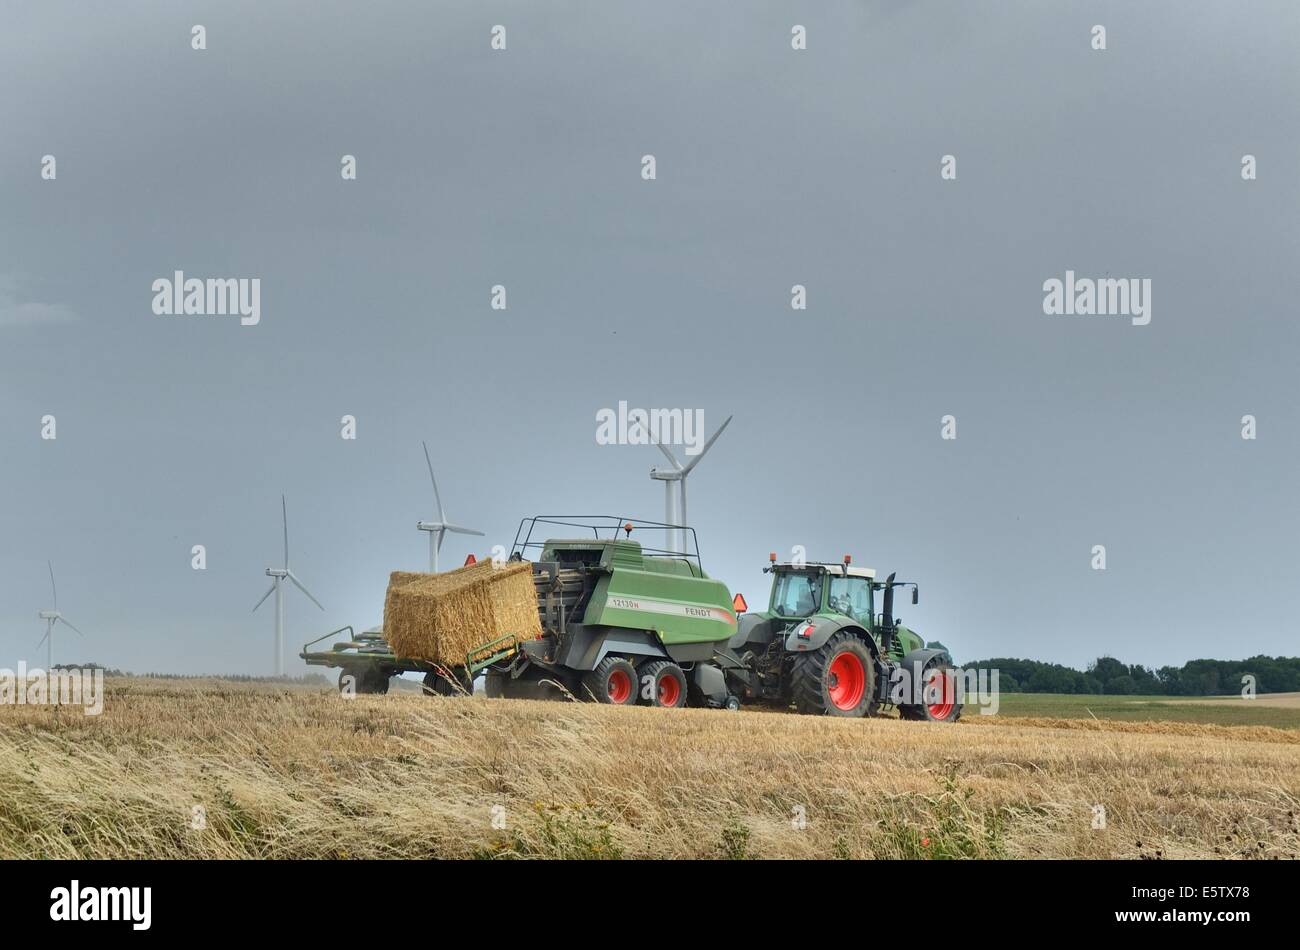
624 620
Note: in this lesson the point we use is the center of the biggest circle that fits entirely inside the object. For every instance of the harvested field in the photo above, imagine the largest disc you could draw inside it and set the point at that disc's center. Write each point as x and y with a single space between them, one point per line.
298 772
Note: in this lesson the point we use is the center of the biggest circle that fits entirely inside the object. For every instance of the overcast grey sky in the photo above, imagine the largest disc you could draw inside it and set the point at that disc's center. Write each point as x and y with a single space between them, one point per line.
775 167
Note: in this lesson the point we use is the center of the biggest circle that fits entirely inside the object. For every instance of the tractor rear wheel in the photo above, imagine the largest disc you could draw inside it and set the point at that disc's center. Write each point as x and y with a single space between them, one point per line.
837 680
613 681
663 684
939 696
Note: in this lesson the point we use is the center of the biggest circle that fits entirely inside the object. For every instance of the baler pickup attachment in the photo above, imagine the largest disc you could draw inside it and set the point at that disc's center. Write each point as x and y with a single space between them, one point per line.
497 650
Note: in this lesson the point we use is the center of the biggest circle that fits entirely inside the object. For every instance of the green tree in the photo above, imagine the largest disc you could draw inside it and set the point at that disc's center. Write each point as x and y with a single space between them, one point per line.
1107 668
1121 686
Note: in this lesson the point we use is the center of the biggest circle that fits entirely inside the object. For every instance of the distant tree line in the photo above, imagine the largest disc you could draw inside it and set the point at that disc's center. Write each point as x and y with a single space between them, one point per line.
1273 674
308 678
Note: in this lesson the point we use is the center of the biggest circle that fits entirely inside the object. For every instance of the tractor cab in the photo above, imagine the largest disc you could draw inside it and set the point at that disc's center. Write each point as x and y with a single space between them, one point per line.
803 590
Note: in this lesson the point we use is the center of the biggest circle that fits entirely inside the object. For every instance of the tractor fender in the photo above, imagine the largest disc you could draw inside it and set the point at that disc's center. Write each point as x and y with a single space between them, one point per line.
823 629
753 629
912 666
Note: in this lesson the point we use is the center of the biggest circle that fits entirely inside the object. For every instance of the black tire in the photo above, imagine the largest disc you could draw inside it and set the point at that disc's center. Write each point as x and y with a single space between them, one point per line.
436 684
662 683
365 681
732 704
821 683
926 712
613 681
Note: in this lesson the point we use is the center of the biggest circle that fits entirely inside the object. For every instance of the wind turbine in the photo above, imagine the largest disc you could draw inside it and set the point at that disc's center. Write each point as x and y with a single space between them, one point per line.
440 527
51 617
280 574
675 508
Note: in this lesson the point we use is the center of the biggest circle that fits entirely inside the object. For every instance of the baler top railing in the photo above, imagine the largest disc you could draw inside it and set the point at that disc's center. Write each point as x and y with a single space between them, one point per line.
604 527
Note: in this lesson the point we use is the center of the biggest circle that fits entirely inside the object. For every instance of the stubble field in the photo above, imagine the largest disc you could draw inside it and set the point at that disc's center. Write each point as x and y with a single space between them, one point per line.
208 768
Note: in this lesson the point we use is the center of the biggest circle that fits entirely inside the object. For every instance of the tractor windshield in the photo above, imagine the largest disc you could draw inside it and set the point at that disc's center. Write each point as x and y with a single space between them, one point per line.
797 593
851 596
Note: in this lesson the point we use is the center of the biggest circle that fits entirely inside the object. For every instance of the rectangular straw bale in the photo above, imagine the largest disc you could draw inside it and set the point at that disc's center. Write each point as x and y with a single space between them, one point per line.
439 618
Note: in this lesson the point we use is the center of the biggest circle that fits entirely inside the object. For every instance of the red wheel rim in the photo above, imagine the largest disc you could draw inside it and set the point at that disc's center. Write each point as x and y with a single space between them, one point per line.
941 690
847 680
669 690
619 686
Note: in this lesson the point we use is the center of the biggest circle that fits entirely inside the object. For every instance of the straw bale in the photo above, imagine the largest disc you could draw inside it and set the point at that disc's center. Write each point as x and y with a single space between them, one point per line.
440 618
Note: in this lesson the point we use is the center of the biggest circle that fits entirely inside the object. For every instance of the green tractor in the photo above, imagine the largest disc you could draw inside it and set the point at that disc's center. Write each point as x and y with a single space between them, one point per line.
821 647
623 622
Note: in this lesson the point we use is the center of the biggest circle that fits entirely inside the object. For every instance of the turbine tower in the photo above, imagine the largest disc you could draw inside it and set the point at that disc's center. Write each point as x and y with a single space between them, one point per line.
52 617
675 502
440 527
281 574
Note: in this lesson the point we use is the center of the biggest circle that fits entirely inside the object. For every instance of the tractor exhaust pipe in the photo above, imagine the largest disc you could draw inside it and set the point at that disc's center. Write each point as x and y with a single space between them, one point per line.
887 615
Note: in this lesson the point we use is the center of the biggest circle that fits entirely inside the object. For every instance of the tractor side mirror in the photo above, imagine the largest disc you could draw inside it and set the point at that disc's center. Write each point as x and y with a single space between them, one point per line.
916 595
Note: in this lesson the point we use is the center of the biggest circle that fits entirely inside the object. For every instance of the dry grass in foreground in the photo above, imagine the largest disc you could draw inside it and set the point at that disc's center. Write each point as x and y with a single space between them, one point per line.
300 773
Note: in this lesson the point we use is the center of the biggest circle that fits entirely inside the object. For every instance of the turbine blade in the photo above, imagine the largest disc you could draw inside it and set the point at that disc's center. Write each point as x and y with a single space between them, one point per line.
70 624
707 445
43 639
284 519
436 496
672 458
298 584
52 587
269 592
459 530
442 531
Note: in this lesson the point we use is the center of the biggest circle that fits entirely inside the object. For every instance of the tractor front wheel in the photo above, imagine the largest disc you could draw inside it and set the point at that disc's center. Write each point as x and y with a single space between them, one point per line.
837 680
938 696
663 684
613 681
